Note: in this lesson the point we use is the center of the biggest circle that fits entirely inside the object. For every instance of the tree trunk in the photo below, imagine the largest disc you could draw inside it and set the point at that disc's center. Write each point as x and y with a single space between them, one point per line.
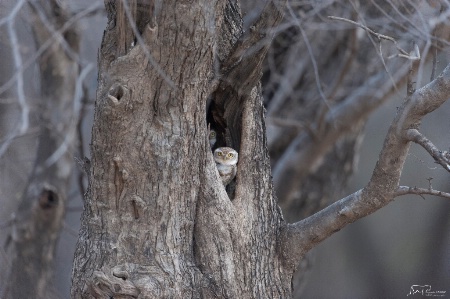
39 219
159 225
158 222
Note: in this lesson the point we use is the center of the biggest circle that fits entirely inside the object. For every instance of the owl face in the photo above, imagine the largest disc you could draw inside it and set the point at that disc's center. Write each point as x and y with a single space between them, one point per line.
212 138
226 156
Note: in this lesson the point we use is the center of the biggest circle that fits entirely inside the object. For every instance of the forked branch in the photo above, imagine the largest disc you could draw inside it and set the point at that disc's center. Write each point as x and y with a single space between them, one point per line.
441 157
300 237
402 53
243 66
405 190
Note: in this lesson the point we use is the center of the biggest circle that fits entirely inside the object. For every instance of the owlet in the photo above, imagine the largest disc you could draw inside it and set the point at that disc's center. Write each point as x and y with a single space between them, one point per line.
226 159
212 138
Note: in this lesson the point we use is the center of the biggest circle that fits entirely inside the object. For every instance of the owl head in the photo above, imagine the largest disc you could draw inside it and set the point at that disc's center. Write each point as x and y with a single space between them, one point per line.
212 138
226 156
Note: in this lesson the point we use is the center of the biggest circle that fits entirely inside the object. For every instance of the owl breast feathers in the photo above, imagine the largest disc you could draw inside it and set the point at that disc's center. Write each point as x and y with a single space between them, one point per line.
226 159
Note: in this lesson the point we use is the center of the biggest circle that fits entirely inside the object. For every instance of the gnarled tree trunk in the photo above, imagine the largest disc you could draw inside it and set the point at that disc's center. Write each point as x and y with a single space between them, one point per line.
158 222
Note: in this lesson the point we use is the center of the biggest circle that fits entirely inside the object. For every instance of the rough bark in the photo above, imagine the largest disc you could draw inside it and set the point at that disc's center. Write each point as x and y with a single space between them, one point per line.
38 220
157 221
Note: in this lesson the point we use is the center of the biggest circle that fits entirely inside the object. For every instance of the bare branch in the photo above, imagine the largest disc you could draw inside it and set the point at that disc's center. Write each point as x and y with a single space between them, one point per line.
54 33
17 58
405 190
311 55
41 209
76 109
435 47
283 122
340 120
382 188
377 35
82 161
403 53
47 44
441 157
243 65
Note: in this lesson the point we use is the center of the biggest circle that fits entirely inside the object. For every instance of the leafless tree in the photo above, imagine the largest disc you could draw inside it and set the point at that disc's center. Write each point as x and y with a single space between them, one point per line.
36 225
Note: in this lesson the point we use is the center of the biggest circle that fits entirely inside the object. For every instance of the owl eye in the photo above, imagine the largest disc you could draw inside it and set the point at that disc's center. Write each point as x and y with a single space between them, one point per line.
230 155
212 134
219 154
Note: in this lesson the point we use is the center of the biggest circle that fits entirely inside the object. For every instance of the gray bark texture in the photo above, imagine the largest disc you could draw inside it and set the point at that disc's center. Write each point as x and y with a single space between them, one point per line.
158 222
39 219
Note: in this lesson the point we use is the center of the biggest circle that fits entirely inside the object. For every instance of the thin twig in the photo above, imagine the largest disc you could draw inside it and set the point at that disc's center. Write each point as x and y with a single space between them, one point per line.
285 122
76 103
441 157
376 34
55 34
403 53
311 54
405 190
84 103
420 70
17 58
435 47
48 43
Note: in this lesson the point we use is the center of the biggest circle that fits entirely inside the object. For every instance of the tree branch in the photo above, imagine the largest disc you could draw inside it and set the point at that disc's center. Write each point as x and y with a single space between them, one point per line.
17 58
300 237
405 190
41 209
311 55
47 44
441 157
379 36
243 67
338 121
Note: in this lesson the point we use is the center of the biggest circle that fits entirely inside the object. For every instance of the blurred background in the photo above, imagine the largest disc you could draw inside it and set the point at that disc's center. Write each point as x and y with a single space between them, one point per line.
316 68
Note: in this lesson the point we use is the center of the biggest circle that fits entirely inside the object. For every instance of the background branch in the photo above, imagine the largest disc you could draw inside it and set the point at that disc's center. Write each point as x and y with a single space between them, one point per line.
379 36
20 93
303 155
42 206
300 237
